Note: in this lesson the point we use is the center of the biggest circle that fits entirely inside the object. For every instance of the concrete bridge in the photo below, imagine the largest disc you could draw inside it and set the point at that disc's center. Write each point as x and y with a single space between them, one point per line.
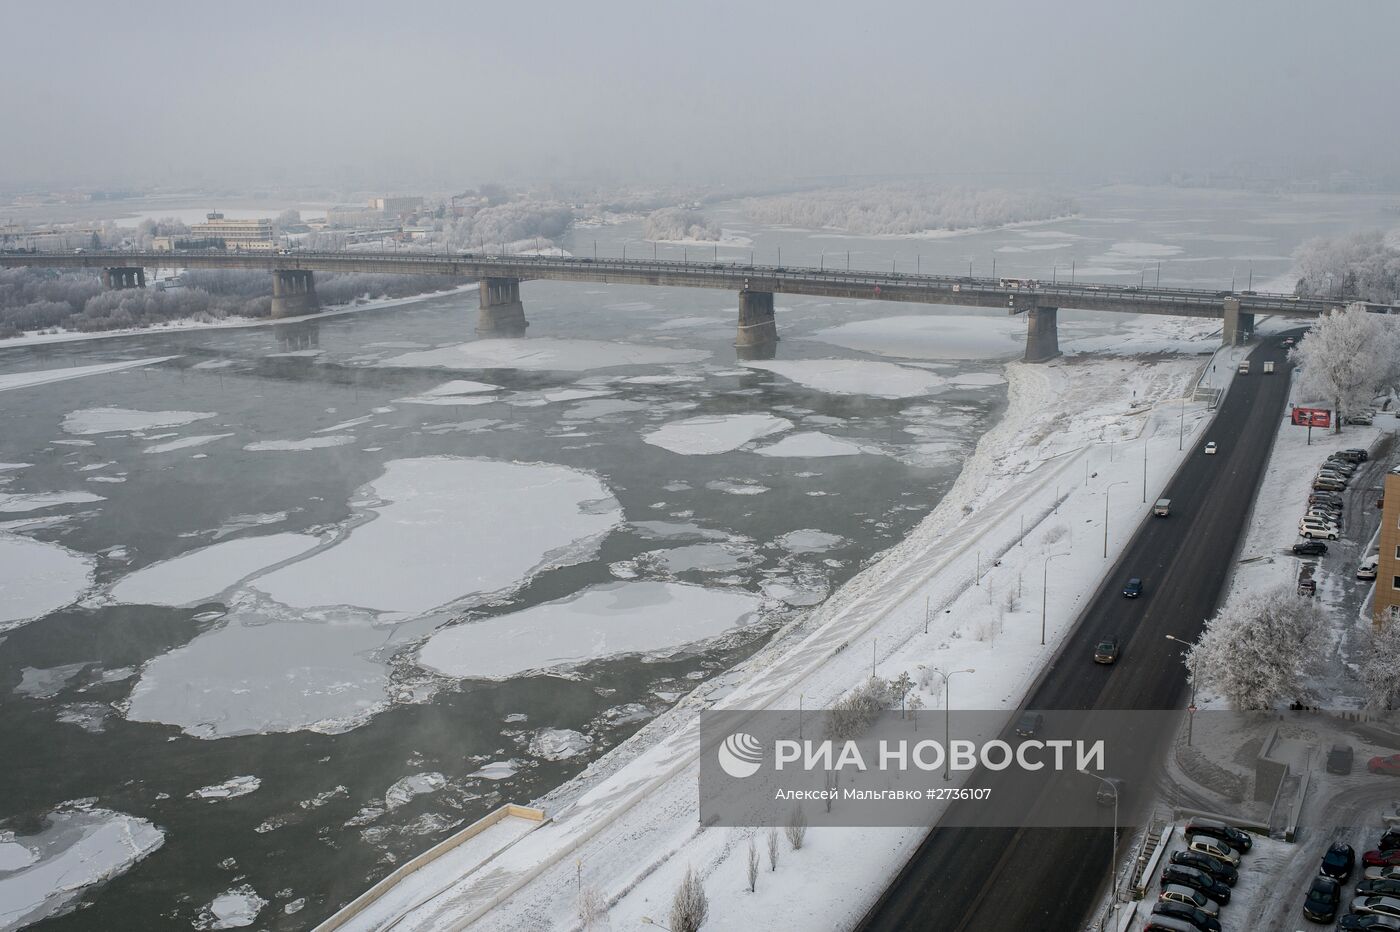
294 287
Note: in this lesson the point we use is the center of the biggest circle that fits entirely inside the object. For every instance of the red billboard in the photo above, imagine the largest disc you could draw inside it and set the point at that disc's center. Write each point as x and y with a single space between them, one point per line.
1312 417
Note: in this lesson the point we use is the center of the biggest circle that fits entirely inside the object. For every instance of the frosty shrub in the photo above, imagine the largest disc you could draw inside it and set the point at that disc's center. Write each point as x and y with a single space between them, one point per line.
1258 648
753 865
1363 265
773 848
671 223
1380 670
796 829
1347 359
891 209
854 712
690 908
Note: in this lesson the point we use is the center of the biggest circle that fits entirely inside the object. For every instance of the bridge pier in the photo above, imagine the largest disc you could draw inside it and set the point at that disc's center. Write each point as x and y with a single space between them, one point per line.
501 310
294 293
1042 337
1239 325
758 330
121 277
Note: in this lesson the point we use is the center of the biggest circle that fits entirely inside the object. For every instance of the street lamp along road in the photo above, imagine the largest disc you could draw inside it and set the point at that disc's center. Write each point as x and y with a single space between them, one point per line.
947 712
1044 588
1113 853
1107 490
1190 709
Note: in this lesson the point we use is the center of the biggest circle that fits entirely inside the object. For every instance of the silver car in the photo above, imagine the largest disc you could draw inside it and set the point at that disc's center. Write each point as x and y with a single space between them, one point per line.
1377 906
1179 893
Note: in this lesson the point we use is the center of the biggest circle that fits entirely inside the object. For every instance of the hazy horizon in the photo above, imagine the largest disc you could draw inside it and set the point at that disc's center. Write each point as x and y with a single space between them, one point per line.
438 95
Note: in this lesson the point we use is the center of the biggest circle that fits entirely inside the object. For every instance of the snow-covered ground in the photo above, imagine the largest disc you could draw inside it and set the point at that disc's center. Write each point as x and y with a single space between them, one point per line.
1074 431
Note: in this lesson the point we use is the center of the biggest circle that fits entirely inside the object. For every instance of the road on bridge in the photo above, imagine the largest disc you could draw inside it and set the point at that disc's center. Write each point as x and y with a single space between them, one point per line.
969 880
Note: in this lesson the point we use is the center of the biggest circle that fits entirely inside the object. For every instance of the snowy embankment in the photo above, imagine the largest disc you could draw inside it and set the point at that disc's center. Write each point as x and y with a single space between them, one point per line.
627 827
39 337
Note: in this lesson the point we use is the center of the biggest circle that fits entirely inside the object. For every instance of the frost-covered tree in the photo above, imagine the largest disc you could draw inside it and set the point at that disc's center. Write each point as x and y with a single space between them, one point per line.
1363 265
676 223
1258 648
1380 670
691 907
1347 358
894 209
796 829
856 711
773 848
753 865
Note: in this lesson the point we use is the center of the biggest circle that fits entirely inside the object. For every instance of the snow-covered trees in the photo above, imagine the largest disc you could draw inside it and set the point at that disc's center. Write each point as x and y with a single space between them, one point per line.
889 209
1380 669
796 828
510 222
1258 648
691 907
854 712
1363 265
678 223
1348 358
753 865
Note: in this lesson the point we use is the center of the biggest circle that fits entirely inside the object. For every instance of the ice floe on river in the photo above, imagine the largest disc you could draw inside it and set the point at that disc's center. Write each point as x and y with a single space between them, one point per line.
604 621
184 443
855 376
33 501
296 446
202 574
75 849
545 353
232 909
113 420
715 433
37 577
46 376
814 444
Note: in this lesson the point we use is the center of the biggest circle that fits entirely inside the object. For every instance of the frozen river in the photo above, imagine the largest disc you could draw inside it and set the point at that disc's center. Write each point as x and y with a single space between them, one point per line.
283 606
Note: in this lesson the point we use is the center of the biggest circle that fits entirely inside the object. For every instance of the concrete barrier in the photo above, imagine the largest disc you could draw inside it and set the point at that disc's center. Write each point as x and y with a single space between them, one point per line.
361 902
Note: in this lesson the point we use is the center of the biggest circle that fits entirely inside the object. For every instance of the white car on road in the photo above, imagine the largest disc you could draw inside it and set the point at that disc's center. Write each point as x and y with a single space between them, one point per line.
1210 446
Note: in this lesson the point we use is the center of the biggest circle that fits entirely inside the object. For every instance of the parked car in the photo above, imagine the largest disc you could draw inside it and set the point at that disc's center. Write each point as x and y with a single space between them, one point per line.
1185 912
1176 893
1132 588
1312 529
1310 548
1215 847
1353 922
1329 497
1367 569
1211 447
1339 759
1217 868
1160 923
1236 838
1378 888
1196 879
1377 906
1391 839
1380 858
1106 650
1338 862
1325 515
1381 873
1356 454
1387 765
1029 724
1363 417
1325 484
1323 899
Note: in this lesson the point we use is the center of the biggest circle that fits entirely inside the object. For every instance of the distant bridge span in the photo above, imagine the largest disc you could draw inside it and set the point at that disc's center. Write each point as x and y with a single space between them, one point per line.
294 290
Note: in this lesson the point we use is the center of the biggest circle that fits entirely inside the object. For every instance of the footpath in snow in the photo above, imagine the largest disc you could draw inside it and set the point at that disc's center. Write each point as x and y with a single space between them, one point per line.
627 829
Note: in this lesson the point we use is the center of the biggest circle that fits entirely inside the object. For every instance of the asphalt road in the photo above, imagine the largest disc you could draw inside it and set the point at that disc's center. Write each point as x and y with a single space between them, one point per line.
1049 879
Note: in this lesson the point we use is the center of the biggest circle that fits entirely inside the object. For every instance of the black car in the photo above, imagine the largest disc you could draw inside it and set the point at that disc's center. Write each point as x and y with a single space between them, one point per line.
1225 873
1196 880
1390 840
1323 899
1235 838
1339 759
1133 588
1106 650
1028 725
1378 888
1338 861
1310 548
1356 454
1187 913
1351 922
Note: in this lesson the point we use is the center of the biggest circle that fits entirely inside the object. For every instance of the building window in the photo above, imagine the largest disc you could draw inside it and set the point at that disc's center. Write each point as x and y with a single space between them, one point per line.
1397 551
1395 584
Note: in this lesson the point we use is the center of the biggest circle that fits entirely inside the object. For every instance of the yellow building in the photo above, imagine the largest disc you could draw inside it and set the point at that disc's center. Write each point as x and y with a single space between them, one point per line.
236 234
1387 601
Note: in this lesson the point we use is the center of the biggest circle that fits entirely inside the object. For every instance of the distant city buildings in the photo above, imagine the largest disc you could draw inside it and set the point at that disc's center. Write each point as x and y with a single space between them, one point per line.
234 234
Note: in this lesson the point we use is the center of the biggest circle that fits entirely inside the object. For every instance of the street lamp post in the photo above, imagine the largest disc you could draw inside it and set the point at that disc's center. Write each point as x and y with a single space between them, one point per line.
1190 709
1105 513
1044 588
1113 853
1144 470
947 714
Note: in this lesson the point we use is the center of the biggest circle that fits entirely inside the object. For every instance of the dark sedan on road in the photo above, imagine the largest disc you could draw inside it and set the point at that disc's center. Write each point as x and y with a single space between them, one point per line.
1323 899
1310 548
1338 862
1339 759
1197 880
1133 588
1188 913
1235 838
1225 873
1106 650
1387 765
1029 724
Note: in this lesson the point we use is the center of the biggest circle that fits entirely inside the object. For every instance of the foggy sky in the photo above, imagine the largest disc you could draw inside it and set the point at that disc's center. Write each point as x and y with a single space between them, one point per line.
436 95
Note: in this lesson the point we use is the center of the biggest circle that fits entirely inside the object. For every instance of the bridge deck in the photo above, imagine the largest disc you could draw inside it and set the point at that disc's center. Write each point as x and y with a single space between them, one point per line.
1015 295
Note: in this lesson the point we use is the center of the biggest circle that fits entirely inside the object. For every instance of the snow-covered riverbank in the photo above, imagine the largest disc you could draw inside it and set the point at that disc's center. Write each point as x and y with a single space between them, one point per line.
1073 431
